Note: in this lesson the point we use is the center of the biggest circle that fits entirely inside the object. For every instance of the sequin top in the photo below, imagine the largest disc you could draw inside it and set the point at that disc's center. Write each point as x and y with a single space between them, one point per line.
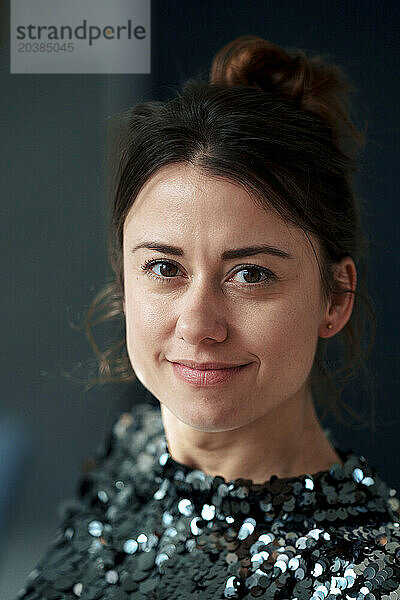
144 526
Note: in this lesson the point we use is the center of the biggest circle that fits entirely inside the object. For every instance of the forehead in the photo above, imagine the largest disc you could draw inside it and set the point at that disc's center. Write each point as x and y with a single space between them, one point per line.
183 202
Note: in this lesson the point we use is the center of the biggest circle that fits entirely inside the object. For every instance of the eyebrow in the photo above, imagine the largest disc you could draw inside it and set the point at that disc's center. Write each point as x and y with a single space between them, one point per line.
227 255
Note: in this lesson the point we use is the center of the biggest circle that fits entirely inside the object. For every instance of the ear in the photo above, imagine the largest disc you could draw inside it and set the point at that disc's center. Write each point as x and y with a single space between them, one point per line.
340 306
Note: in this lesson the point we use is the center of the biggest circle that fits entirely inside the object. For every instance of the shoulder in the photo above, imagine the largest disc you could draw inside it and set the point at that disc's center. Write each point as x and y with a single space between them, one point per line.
377 568
375 544
365 559
123 456
116 479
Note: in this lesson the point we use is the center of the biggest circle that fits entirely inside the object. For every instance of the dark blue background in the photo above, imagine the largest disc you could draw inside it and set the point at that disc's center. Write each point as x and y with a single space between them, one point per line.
53 242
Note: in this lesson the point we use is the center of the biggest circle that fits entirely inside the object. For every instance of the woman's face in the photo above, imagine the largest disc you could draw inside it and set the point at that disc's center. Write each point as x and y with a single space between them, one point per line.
262 310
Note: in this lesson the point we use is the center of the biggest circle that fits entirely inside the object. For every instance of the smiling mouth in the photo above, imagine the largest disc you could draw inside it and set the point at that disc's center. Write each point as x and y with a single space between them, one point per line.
207 377
206 365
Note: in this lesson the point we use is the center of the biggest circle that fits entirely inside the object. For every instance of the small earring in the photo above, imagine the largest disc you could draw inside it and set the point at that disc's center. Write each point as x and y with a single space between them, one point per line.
329 326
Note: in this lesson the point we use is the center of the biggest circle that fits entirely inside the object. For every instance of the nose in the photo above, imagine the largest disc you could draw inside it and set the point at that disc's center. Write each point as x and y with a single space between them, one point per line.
200 315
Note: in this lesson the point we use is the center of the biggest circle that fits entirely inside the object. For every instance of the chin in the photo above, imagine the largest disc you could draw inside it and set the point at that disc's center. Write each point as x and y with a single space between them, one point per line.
205 415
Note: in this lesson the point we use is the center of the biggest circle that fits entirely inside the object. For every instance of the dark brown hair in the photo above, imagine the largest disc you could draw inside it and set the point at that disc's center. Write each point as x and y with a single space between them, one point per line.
278 123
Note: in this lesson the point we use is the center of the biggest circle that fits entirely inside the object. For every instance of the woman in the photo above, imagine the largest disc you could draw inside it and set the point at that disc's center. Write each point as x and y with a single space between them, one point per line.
234 240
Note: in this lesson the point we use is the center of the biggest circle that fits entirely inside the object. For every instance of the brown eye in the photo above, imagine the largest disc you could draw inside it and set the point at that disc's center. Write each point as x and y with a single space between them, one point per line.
255 275
165 269
168 269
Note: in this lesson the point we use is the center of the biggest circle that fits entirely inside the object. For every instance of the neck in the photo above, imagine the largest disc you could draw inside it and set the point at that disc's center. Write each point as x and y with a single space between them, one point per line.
287 441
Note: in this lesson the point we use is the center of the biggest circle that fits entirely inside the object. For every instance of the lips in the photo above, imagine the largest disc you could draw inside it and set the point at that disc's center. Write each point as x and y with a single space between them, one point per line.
206 376
206 365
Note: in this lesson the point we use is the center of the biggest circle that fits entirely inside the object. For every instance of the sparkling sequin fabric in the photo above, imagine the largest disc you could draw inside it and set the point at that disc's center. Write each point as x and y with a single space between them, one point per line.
146 527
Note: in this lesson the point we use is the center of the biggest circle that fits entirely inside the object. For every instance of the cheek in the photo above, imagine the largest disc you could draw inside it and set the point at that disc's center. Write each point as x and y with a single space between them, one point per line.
145 325
286 342
138 341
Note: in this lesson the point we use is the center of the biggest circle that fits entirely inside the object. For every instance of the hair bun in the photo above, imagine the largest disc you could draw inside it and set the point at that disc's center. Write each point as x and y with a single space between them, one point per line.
311 83
251 60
